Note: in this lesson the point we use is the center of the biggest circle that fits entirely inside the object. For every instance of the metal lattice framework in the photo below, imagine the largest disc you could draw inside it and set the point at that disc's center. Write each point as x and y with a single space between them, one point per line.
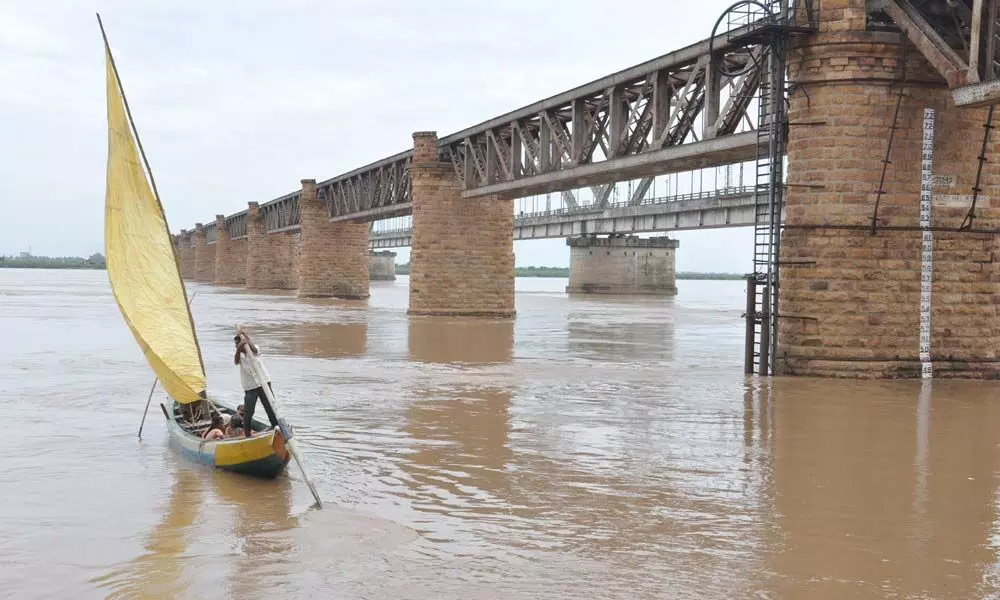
959 38
381 189
209 233
281 214
236 225
606 123
682 111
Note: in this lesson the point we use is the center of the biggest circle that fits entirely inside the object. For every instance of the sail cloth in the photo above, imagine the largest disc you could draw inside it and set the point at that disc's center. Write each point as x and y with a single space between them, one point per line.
141 263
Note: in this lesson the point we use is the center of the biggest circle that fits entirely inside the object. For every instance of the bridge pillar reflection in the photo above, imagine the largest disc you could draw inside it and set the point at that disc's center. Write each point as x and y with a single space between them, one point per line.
272 258
462 251
185 253
333 257
230 256
622 265
204 256
858 258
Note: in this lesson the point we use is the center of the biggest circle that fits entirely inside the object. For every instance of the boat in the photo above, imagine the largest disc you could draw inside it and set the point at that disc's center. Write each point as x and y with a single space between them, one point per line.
144 271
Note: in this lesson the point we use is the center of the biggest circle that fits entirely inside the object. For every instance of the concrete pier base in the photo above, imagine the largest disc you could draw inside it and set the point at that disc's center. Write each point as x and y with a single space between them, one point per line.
382 266
622 265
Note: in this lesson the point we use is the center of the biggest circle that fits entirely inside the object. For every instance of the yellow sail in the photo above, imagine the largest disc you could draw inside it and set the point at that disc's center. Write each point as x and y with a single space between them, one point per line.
141 262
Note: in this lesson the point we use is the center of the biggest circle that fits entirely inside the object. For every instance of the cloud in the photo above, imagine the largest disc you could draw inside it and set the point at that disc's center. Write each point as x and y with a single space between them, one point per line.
238 101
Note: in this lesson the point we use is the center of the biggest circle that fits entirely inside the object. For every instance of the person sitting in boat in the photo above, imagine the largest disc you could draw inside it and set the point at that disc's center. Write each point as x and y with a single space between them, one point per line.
235 427
215 431
251 391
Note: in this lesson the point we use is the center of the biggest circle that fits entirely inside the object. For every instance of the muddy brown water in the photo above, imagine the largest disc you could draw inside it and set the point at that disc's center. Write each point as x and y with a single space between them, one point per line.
593 448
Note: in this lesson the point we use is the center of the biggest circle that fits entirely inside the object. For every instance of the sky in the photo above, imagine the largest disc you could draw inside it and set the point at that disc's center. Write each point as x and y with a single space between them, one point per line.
238 101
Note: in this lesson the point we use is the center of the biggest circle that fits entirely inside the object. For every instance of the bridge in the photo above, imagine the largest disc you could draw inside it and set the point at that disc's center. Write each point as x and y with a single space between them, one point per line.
884 220
733 207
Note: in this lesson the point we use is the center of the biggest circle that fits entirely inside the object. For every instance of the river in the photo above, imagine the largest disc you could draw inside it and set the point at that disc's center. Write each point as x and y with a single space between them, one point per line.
592 448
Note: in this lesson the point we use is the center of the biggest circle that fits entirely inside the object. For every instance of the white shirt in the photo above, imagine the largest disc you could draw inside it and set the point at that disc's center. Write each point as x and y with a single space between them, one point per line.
246 373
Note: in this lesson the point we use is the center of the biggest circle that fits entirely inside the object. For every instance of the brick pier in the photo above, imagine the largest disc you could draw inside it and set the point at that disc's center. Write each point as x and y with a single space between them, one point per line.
204 256
850 299
230 257
185 253
462 253
333 258
272 258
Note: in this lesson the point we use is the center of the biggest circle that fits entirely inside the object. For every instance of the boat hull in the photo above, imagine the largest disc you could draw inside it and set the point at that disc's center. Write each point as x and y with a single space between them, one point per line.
259 456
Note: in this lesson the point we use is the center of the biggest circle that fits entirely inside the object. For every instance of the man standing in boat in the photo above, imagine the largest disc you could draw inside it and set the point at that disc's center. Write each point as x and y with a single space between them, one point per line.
251 391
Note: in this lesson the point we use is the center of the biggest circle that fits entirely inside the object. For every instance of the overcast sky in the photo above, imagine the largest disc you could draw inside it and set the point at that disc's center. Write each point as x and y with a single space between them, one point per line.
238 101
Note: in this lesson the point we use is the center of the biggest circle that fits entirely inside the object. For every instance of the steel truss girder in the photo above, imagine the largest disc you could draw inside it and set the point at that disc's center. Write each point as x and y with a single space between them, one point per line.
650 112
236 225
382 187
644 108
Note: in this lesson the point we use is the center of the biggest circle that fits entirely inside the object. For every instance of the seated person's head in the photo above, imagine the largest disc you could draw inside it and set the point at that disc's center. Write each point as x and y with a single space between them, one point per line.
240 409
236 422
216 423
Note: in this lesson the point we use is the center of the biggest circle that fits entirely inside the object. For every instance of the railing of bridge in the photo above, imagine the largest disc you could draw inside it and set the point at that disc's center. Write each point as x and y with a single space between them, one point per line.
210 233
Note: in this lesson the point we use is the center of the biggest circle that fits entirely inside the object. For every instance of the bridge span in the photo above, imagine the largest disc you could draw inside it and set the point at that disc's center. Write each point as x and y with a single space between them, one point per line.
704 210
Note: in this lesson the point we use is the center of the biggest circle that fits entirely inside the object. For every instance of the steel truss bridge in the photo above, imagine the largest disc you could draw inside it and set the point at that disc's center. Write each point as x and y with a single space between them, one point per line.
717 102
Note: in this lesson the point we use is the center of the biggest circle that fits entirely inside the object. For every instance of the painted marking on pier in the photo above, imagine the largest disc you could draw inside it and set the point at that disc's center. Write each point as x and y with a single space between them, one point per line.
927 251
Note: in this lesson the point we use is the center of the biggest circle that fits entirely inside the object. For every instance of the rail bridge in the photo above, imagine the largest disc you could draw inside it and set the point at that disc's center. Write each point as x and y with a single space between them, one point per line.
878 244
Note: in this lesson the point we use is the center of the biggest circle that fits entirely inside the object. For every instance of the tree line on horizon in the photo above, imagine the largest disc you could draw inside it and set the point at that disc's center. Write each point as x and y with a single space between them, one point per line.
27 261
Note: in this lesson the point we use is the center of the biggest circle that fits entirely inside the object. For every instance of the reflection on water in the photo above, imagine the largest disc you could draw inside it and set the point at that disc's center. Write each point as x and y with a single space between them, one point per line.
591 448
459 427
164 569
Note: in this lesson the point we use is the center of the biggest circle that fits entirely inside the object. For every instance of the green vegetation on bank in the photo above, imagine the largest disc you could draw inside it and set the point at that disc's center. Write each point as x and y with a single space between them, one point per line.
404 269
27 261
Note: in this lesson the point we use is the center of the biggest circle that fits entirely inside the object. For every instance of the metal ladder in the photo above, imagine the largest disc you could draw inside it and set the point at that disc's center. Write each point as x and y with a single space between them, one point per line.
771 126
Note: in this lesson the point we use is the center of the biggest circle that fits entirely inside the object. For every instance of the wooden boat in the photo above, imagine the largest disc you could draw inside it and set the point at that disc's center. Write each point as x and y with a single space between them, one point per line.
262 455
145 278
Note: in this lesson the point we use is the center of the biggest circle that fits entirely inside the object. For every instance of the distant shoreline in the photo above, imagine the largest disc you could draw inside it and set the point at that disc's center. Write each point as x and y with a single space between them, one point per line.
404 269
16 263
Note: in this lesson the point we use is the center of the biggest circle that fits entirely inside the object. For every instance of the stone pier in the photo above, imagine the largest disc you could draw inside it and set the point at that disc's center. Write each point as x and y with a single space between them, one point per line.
185 253
382 266
230 256
333 259
272 258
204 256
462 253
622 265
851 297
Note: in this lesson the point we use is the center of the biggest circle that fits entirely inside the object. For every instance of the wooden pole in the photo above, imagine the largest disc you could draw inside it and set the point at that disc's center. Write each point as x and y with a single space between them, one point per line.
290 442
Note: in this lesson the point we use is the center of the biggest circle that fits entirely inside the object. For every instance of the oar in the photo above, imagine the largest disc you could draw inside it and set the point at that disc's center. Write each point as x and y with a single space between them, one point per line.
290 443
152 389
